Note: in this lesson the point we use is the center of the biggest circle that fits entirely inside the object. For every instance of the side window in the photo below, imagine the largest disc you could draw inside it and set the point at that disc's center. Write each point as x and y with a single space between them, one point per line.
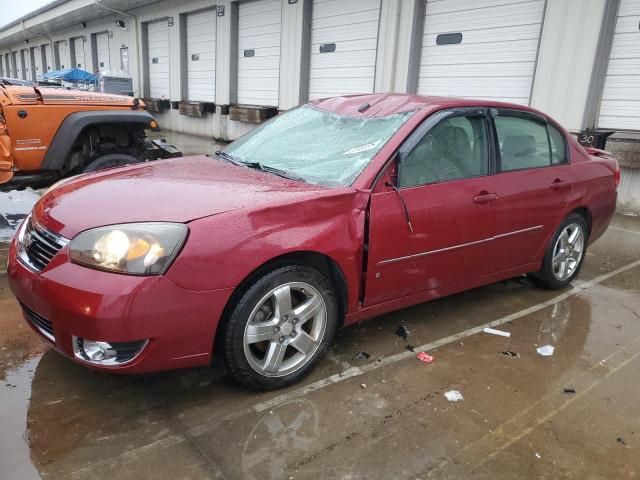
558 145
523 143
453 149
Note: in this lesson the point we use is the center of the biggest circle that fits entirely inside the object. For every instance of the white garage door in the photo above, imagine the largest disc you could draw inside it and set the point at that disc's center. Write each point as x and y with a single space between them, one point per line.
63 55
344 38
620 105
37 60
259 52
484 49
2 67
80 58
201 56
14 64
159 77
47 64
102 51
24 64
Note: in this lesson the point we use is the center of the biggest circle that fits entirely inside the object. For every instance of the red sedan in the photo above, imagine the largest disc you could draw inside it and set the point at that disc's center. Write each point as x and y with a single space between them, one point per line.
332 213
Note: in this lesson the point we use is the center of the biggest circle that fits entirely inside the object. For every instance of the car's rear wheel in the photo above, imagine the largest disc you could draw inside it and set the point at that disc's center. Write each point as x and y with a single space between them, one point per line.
565 254
280 328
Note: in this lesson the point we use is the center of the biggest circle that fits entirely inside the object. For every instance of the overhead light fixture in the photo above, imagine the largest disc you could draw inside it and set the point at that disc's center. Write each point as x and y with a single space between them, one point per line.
83 24
121 24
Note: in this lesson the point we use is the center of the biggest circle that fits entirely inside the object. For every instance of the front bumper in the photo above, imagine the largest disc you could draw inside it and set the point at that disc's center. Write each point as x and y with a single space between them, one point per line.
179 324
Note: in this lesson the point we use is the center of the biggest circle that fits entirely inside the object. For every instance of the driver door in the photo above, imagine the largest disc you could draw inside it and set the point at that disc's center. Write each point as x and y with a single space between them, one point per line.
442 179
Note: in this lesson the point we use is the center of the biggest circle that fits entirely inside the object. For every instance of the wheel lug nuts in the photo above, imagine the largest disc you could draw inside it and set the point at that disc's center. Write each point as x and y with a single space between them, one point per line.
294 321
286 317
293 334
281 339
277 329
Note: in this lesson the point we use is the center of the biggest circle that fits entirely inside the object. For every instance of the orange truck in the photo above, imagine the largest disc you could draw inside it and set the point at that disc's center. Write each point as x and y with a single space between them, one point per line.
50 133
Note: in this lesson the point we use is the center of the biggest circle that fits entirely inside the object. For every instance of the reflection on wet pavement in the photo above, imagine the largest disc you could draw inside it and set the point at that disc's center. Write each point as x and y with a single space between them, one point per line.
62 421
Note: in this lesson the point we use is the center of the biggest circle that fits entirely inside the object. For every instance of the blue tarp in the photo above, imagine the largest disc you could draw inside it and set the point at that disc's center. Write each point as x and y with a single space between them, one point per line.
71 75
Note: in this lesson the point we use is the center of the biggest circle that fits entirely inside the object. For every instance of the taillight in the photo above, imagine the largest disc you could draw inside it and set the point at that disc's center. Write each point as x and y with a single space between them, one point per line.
616 175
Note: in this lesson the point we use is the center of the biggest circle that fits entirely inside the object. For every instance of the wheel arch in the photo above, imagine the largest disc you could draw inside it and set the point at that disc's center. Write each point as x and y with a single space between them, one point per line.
586 214
320 261
76 123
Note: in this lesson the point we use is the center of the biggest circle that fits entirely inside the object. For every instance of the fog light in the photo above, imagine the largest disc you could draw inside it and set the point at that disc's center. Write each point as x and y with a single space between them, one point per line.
106 353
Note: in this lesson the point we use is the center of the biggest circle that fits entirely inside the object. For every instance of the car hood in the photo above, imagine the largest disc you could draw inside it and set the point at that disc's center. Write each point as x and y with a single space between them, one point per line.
178 190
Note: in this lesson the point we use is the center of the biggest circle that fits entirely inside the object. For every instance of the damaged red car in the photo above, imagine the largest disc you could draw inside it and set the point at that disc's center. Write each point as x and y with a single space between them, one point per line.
329 214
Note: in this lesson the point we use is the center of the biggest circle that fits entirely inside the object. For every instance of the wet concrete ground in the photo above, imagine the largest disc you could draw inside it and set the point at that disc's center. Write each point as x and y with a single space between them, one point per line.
61 421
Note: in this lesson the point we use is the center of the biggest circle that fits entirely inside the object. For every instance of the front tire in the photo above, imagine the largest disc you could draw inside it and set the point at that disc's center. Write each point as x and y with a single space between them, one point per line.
565 254
280 328
110 161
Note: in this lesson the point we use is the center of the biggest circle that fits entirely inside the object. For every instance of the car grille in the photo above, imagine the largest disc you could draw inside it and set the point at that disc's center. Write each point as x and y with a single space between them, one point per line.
40 245
44 326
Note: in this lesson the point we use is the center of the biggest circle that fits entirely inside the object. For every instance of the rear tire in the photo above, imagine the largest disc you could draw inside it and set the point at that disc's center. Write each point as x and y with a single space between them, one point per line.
110 161
565 254
280 328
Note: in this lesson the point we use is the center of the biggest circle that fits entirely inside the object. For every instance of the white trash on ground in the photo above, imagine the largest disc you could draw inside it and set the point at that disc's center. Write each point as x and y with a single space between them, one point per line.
493 331
546 350
453 396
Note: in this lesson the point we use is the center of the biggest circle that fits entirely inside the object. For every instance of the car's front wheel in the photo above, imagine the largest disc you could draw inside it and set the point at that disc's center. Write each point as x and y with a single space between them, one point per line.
281 327
565 254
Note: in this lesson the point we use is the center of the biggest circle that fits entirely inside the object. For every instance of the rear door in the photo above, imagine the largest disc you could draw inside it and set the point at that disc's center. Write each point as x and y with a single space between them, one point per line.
434 229
533 184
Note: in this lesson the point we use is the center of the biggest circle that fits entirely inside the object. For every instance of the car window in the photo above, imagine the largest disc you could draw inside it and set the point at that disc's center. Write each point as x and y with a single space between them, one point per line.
523 143
558 145
453 149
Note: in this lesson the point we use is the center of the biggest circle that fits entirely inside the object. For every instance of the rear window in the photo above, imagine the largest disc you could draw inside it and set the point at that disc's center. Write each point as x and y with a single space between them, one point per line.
558 145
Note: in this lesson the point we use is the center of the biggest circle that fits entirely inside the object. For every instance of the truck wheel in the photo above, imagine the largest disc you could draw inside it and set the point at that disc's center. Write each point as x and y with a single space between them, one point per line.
109 161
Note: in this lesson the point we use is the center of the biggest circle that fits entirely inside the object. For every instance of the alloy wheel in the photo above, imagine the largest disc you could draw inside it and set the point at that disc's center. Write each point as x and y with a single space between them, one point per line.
285 329
568 251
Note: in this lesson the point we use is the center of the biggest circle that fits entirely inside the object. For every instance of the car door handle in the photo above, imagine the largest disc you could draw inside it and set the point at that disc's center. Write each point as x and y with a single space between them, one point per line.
485 197
558 184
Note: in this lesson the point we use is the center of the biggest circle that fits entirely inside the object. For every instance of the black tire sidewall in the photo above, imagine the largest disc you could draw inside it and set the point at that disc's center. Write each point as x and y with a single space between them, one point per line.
111 160
233 341
545 275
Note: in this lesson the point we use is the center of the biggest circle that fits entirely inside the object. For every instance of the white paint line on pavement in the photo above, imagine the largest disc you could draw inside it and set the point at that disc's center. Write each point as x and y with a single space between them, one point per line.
625 230
381 362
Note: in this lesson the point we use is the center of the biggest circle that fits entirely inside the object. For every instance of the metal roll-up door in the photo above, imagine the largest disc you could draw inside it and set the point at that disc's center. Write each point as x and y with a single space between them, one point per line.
259 26
344 43
14 64
2 67
24 64
159 67
102 51
201 56
36 56
620 103
7 65
80 60
484 49
47 64
63 55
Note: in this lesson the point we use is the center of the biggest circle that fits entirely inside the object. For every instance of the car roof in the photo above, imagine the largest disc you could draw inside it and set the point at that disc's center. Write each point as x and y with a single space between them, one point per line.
384 104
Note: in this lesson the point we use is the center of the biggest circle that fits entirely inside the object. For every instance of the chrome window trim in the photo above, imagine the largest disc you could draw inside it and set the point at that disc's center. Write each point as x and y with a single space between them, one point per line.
462 245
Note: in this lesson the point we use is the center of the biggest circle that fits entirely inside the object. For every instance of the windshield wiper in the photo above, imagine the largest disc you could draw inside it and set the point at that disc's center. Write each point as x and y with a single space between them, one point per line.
229 158
275 171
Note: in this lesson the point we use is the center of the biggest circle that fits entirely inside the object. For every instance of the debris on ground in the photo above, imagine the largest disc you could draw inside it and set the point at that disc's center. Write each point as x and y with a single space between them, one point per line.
410 347
569 390
493 331
510 354
424 357
453 396
538 455
402 332
621 441
546 350
364 385
361 356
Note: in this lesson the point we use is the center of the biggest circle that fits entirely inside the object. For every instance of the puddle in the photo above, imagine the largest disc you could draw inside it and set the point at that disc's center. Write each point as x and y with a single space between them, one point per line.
15 392
14 206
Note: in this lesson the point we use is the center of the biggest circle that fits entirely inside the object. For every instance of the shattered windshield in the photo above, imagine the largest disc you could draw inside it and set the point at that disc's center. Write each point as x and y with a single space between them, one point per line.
316 145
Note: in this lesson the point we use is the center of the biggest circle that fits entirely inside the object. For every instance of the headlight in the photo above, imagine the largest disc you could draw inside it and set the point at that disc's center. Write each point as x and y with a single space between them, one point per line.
133 248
